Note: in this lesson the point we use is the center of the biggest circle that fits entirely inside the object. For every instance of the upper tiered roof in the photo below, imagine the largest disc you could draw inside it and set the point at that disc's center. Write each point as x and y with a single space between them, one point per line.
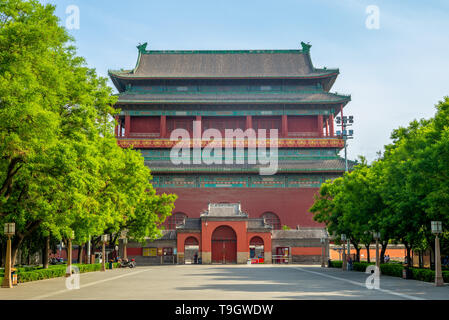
315 97
223 64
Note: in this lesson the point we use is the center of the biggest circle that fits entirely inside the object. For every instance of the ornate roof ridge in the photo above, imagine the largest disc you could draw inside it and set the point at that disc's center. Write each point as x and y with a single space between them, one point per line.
249 51
305 50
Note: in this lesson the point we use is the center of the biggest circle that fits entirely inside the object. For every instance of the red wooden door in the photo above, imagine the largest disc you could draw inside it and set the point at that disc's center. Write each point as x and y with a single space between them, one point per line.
217 251
230 251
224 245
224 251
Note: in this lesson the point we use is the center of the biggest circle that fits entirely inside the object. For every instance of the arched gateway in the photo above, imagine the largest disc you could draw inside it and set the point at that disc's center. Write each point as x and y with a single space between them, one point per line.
191 249
224 245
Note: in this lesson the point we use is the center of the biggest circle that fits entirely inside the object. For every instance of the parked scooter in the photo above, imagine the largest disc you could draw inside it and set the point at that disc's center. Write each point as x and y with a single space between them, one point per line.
128 263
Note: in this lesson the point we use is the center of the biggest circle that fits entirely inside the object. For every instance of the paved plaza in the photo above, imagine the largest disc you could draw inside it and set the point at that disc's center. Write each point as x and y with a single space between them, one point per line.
226 282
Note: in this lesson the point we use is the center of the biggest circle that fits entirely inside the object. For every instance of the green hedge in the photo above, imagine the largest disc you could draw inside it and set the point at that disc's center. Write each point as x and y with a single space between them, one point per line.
427 275
395 270
335 264
57 271
26 269
423 274
40 274
361 266
357 266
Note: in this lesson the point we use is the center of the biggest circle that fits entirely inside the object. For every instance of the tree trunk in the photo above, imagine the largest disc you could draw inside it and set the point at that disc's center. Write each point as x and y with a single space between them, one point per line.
421 259
432 257
2 254
409 260
15 245
29 257
368 258
45 253
357 257
382 251
80 253
19 237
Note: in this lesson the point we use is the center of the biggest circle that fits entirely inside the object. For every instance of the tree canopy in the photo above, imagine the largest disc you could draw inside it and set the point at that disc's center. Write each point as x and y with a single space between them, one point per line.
61 169
397 195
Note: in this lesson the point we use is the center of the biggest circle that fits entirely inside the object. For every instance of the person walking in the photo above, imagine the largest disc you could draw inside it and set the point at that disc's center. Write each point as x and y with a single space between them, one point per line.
349 260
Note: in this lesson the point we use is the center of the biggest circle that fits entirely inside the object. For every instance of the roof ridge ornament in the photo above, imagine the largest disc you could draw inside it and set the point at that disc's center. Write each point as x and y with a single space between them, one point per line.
142 47
306 47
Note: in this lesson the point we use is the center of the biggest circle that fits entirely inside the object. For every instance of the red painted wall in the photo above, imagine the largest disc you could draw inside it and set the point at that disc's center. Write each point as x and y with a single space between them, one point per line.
266 237
239 228
181 238
302 124
267 123
290 204
306 251
180 123
152 124
145 124
222 123
133 251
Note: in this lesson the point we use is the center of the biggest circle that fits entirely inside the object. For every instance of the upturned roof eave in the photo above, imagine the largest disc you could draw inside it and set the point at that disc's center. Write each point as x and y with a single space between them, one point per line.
343 101
131 76
280 170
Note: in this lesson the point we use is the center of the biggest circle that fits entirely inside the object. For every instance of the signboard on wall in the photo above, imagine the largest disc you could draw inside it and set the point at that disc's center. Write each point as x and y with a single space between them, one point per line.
149 252
160 251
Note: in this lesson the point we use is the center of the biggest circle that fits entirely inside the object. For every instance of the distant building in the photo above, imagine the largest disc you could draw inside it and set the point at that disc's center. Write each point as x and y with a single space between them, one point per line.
233 89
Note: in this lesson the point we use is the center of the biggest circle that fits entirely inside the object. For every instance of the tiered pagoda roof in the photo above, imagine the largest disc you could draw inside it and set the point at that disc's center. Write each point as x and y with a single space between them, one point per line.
269 97
214 79
223 64
304 166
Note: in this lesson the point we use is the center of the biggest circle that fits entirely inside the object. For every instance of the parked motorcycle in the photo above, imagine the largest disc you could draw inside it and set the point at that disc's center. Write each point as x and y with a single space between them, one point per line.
128 263
56 260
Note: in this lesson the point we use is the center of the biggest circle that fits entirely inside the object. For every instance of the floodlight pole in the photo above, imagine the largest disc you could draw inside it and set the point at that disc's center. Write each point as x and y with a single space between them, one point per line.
345 122
346 154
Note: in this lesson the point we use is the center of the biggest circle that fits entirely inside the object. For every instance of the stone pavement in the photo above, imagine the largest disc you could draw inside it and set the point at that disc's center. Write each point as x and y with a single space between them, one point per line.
226 282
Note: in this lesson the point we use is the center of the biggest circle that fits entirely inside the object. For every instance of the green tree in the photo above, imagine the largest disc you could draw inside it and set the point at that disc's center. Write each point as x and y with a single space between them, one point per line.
60 167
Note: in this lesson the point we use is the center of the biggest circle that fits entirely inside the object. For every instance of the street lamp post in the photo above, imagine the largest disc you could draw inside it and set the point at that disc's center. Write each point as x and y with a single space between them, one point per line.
349 247
437 228
68 272
10 230
376 236
343 239
104 239
125 242
323 251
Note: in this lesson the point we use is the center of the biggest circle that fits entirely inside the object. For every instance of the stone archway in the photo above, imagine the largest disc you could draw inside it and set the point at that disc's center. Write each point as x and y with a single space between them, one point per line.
256 248
191 247
224 245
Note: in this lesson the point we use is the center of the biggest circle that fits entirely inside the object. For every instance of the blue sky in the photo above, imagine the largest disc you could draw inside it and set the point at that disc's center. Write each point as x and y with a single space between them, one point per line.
395 74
